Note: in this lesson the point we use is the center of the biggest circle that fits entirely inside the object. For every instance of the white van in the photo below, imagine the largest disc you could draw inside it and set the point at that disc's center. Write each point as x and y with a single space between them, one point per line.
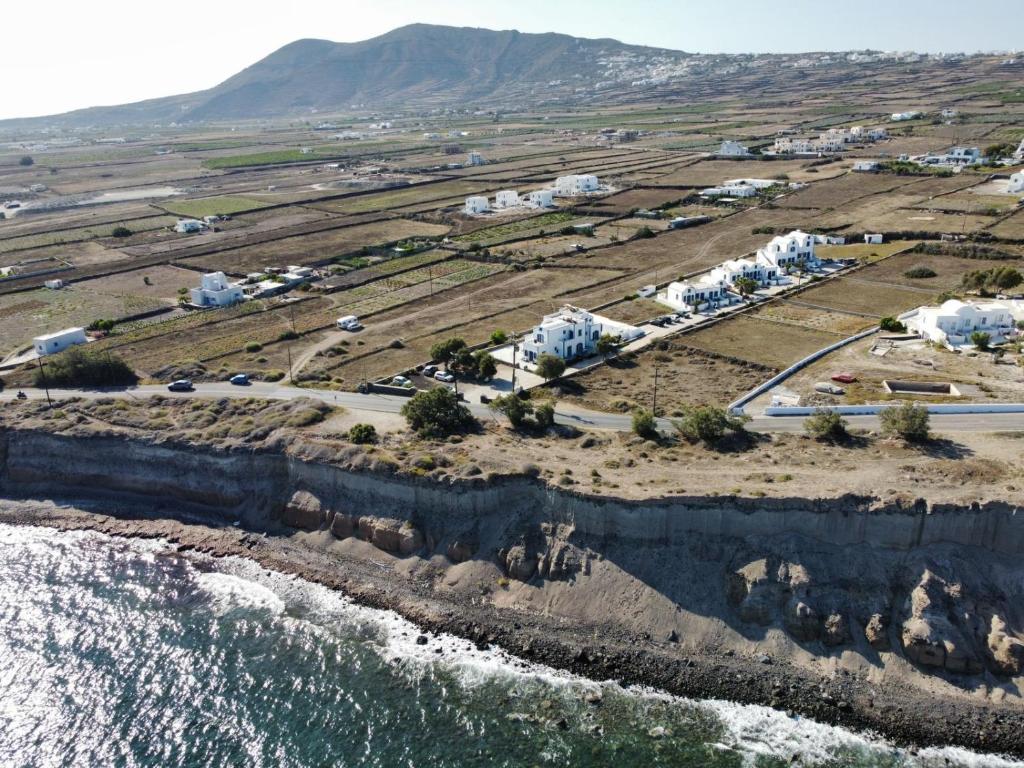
349 323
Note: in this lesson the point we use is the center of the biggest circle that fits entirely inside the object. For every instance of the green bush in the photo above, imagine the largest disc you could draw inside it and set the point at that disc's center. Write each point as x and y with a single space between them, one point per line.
253 346
437 413
499 337
908 421
708 423
918 273
549 366
77 367
444 351
981 340
513 407
288 336
363 434
544 415
826 424
273 375
121 231
26 160
892 325
644 423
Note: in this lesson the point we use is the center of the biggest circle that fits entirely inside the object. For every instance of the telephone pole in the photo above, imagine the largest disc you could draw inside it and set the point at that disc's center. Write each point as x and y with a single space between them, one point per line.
654 405
42 377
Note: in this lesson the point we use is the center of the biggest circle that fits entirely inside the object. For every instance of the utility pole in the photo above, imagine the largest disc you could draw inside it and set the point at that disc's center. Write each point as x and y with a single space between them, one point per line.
513 362
42 376
654 406
288 345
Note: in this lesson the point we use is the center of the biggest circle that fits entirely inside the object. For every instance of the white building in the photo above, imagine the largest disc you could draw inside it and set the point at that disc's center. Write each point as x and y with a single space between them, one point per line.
786 251
953 322
477 204
1016 182
186 226
873 239
733 149
695 295
953 156
898 117
53 285
1019 154
215 291
575 184
568 333
866 166
948 113
506 198
730 190
542 198
52 343
755 183
729 272
474 158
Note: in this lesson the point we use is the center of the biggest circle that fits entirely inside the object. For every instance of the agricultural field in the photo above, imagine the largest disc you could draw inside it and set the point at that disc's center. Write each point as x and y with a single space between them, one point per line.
867 252
760 341
518 228
212 206
858 295
949 270
98 231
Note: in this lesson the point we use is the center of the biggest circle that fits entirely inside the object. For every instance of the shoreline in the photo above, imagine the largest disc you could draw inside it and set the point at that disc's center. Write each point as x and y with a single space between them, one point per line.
905 716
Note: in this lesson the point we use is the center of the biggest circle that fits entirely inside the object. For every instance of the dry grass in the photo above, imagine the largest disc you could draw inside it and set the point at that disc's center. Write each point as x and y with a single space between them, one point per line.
760 341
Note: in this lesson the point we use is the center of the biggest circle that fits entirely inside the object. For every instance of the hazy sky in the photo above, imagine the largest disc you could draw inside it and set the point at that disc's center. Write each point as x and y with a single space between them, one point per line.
66 54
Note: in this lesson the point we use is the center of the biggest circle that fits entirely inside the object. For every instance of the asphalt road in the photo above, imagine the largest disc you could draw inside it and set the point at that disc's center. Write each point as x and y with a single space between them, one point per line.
566 414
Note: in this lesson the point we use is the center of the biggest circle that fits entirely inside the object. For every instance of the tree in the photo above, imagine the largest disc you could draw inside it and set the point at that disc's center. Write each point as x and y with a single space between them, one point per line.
826 424
708 423
362 434
607 344
26 160
907 420
544 414
121 231
644 423
77 367
437 413
498 337
892 325
643 233
980 339
444 351
745 285
463 362
513 407
549 366
486 365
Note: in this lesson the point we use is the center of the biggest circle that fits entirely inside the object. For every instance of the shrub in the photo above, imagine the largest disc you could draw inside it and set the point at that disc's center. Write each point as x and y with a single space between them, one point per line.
908 420
26 160
437 413
549 366
253 346
486 365
513 407
544 415
708 423
607 344
121 231
101 325
77 367
981 340
499 337
273 375
643 233
826 424
288 336
644 423
892 325
444 351
363 434
918 273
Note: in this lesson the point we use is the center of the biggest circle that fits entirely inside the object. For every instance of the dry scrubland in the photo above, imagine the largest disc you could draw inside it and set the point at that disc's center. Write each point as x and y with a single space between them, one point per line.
500 271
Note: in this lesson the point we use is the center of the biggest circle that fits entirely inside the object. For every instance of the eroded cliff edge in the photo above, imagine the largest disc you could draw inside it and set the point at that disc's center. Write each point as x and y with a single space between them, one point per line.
902 617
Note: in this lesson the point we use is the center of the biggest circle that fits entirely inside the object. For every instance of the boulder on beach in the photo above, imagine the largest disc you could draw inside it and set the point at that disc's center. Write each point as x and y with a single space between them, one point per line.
304 511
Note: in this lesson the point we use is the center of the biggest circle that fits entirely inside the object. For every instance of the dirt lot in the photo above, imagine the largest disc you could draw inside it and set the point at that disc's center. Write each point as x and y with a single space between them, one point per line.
948 270
760 341
686 376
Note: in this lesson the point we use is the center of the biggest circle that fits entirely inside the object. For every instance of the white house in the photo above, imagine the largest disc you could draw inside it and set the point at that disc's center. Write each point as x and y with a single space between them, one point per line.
474 158
575 184
215 291
568 333
477 204
873 239
785 251
52 343
729 272
954 156
1016 183
53 285
543 198
506 198
1019 154
733 149
898 117
694 296
730 190
186 226
953 322
948 113
866 166
755 183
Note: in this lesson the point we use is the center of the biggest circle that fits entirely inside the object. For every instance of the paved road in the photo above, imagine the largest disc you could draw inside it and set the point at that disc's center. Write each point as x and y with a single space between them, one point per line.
566 414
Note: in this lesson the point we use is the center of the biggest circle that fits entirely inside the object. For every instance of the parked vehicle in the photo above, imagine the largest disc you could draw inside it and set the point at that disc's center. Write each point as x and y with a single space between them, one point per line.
181 385
828 389
658 322
349 323
429 370
240 379
444 376
844 378
400 381
21 395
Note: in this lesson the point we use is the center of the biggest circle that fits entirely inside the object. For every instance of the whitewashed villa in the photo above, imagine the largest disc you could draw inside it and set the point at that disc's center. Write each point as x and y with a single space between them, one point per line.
576 184
477 204
506 198
215 291
733 149
953 322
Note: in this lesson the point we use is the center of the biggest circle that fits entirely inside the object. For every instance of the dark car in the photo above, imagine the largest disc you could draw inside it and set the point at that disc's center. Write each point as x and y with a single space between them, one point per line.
240 379
181 385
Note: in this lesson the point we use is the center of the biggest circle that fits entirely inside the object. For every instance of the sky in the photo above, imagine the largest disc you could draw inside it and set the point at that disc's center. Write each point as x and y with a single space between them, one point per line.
66 54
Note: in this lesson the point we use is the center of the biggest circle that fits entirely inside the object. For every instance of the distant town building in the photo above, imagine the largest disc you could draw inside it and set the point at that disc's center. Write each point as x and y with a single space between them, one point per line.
733 149
898 117
1019 154
477 204
188 226
866 166
52 343
542 198
215 291
948 113
873 239
475 158
730 190
506 198
1016 183
53 285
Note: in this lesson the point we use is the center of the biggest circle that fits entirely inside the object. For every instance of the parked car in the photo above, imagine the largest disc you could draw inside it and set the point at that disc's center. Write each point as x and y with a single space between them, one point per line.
240 379
828 389
429 370
844 378
181 385
658 322
400 381
349 323
444 376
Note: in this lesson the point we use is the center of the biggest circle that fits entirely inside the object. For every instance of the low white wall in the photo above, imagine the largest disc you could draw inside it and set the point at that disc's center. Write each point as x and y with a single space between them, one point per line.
872 410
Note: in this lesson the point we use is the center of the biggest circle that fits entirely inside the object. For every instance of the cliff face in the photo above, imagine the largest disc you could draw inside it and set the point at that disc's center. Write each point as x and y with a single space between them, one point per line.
939 586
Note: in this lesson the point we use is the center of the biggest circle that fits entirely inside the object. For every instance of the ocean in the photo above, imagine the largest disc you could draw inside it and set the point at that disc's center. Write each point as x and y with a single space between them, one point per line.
119 652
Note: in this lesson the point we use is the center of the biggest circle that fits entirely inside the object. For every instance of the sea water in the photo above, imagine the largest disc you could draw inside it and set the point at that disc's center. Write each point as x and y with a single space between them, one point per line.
121 652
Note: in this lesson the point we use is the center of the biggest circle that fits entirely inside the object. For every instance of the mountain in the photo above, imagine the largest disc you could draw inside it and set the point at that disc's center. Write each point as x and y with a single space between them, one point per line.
413 66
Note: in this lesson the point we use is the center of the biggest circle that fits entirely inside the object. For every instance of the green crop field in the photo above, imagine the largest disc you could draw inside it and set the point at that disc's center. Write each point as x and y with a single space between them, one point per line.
213 206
